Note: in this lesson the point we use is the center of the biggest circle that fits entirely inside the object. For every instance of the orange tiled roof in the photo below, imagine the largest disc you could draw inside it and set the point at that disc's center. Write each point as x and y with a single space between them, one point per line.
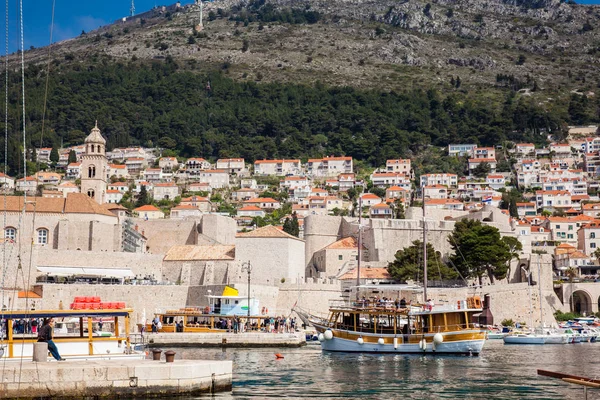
367 273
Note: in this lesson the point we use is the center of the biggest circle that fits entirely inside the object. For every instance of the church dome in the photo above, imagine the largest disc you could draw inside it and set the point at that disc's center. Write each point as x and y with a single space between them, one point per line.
95 136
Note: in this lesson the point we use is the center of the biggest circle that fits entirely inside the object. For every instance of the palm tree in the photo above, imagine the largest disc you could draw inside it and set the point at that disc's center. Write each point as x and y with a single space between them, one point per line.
571 274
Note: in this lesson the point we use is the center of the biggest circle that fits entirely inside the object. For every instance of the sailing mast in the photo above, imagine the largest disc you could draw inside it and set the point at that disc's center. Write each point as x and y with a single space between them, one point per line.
540 289
424 248
359 247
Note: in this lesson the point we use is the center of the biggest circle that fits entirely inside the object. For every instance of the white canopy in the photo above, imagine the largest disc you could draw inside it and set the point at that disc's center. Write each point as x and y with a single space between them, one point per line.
85 271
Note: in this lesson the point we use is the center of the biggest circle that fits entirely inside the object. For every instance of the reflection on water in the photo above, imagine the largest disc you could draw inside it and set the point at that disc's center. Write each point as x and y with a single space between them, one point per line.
500 372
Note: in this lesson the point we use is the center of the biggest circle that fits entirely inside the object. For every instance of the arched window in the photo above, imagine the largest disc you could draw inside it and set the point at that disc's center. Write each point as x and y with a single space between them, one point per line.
10 233
42 236
91 171
91 193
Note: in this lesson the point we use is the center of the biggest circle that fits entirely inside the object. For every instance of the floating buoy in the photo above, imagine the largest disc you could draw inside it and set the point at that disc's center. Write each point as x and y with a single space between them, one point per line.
380 340
395 343
360 340
328 334
278 356
438 338
321 337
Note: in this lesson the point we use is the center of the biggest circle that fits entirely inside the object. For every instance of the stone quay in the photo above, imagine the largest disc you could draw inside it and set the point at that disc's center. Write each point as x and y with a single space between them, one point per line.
114 378
258 339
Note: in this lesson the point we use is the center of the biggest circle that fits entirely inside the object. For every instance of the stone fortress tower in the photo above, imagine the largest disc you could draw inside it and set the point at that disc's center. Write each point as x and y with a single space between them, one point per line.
94 166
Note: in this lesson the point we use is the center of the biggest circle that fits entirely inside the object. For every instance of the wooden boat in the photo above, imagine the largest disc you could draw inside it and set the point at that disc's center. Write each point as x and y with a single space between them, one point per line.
200 320
376 328
74 334
416 329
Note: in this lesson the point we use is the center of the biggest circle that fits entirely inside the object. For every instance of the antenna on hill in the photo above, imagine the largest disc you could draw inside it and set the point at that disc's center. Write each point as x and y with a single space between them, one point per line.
132 8
200 26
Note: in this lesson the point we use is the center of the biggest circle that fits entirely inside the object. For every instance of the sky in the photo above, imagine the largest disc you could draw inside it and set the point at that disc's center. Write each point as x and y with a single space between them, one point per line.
73 16
70 18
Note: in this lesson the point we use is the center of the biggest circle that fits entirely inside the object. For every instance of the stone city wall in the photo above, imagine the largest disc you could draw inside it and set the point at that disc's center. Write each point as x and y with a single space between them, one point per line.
162 234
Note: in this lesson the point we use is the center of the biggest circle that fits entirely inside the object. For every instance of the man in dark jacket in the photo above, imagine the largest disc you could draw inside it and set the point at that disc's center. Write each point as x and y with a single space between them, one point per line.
46 334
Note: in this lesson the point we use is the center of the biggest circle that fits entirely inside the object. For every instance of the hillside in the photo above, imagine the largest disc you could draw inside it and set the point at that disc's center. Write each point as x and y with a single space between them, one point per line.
383 43
284 78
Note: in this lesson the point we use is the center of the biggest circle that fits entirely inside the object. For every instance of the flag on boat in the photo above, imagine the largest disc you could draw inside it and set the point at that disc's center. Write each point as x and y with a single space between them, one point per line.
486 199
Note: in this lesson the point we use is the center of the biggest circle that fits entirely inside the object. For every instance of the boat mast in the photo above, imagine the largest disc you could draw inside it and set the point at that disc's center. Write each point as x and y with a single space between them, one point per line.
359 247
424 248
540 289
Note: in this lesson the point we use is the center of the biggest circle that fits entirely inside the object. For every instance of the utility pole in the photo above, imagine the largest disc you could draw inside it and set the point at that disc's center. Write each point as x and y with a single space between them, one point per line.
247 267
132 8
200 26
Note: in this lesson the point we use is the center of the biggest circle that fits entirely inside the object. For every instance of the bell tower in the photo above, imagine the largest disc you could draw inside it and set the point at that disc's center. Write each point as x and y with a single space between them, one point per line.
94 166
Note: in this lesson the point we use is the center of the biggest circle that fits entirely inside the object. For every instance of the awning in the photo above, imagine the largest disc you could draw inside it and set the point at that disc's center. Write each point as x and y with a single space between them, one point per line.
85 271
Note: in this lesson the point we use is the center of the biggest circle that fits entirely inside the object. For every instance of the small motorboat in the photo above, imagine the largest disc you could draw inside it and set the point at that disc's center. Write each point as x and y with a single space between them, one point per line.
524 338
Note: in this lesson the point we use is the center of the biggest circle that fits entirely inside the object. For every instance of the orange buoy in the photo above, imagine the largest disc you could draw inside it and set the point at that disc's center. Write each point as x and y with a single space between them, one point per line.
278 356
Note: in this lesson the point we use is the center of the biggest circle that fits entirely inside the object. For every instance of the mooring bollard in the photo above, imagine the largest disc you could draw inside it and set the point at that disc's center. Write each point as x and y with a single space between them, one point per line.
170 356
156 354
40 352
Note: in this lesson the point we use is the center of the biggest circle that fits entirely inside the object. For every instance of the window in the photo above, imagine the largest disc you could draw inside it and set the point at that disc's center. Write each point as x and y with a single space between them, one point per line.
557 226
340 257
570 227
593 245
10 233
42 237
570 236
91 171
90 193
593 235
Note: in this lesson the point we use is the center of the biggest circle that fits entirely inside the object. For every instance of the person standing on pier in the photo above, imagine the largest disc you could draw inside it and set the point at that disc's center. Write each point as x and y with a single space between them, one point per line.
46 334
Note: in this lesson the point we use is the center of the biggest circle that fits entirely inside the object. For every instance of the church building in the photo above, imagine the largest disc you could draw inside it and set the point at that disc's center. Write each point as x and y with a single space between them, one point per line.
94 167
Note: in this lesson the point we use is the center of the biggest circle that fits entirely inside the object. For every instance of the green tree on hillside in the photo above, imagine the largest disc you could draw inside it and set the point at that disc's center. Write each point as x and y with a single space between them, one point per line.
143 197
72 157
479 250
54 157
408 264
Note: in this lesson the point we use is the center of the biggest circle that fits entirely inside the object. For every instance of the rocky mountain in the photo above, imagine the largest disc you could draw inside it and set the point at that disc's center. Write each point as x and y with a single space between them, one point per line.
387 44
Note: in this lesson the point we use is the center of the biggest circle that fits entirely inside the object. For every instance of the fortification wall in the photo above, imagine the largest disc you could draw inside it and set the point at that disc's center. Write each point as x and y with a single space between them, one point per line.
219 228
162 234
320 231
145 298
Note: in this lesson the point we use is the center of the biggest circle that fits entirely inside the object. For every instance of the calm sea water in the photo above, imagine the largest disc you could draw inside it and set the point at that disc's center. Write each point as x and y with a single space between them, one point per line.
500 372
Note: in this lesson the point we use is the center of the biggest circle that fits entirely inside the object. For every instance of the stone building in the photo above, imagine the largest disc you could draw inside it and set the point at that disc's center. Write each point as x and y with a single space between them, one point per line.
76 222
94 167
276 256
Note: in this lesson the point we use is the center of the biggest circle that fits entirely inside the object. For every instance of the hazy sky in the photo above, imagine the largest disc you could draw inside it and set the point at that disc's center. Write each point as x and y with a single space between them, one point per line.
73 16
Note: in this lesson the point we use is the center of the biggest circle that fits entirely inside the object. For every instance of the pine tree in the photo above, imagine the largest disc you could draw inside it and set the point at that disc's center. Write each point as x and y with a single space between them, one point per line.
295 226
286 226
143 198
72 156
54 157
512 209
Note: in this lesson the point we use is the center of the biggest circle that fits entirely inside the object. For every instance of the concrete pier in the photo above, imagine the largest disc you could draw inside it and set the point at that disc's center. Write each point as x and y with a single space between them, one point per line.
252 339
114 378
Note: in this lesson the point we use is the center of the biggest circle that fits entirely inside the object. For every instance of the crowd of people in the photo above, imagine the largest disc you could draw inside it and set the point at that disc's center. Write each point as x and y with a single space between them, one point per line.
384 302
24 326
239 324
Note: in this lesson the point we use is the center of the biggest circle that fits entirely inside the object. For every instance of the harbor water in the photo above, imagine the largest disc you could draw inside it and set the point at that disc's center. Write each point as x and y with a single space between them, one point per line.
500 372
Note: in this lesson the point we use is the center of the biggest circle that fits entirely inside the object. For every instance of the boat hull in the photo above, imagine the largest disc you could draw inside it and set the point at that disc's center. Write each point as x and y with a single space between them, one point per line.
464 342
524 339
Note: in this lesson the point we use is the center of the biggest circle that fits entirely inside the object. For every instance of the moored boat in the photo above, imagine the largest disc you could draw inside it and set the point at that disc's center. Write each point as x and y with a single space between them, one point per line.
76 336
416 329
524 338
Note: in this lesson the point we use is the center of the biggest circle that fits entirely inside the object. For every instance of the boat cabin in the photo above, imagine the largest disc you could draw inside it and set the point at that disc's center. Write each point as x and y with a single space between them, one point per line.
76 332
